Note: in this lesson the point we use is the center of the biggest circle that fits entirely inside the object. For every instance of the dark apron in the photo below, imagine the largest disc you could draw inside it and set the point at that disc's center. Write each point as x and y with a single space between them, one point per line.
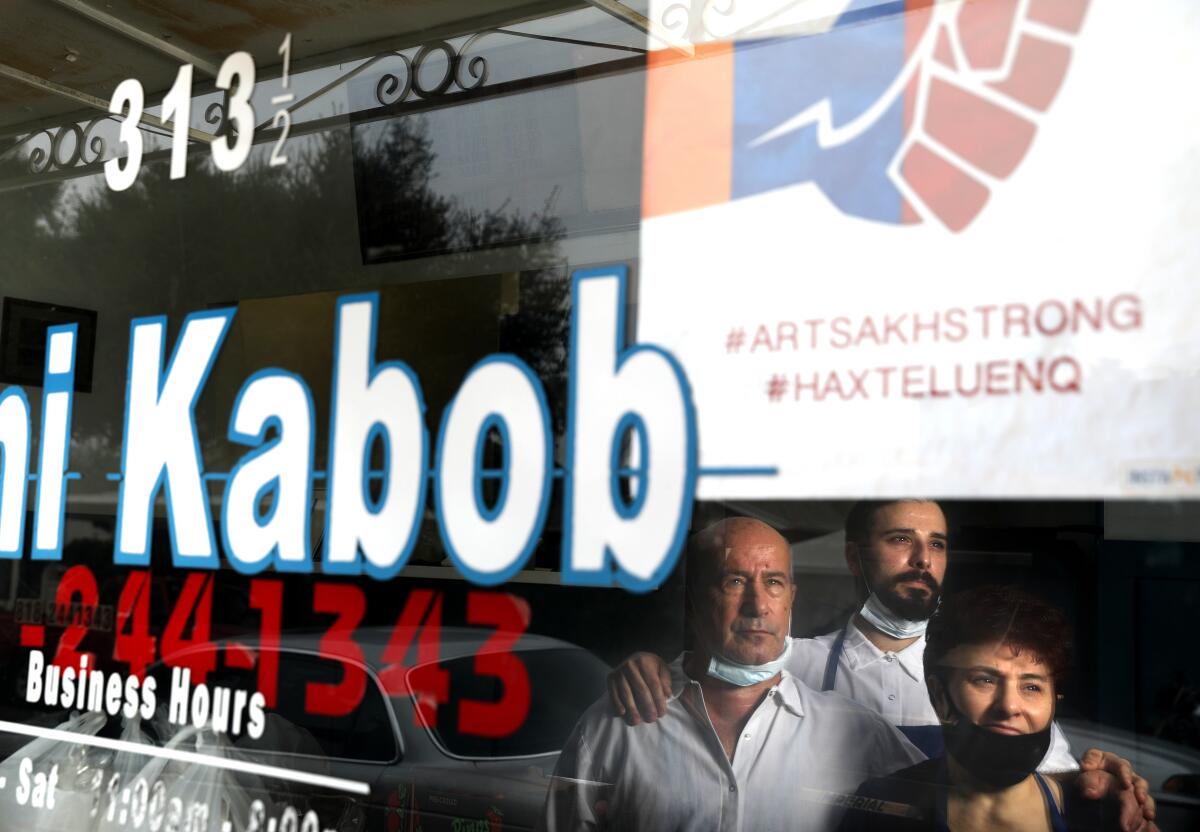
1057 822
927 738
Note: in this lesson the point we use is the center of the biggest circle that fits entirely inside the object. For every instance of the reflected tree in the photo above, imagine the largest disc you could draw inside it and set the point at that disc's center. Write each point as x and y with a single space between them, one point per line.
214 238
402 215
31 220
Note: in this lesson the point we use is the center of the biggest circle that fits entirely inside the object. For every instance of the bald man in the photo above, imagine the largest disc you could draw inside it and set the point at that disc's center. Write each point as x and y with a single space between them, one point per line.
743 744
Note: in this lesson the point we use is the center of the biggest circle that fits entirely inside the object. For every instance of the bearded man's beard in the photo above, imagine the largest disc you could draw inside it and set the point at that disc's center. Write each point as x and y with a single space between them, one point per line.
908 603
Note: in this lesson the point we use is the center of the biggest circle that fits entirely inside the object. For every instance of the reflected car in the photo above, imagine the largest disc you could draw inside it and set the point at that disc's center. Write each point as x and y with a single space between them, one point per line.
1171 769
416 766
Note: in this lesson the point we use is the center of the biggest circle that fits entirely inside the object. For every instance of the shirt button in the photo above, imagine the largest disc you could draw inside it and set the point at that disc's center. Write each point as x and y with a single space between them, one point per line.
747 736
733 788
891 697
889 658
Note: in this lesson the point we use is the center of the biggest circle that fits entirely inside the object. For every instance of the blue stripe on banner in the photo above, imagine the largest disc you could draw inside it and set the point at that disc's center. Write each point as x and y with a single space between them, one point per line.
847 70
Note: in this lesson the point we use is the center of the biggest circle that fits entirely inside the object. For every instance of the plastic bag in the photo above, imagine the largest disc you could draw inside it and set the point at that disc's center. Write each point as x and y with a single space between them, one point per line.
52 784
183 795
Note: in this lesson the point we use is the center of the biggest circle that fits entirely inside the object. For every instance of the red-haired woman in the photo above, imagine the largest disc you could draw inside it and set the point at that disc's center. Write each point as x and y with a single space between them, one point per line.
994 661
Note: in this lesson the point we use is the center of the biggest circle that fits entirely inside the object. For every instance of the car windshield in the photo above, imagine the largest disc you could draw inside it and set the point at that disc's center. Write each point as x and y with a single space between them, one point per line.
563 683
362 731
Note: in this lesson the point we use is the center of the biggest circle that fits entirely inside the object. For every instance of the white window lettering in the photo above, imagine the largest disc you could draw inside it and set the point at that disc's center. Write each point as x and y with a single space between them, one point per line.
278 471
161 448
489 543
373 405
58 393
14 468
636 398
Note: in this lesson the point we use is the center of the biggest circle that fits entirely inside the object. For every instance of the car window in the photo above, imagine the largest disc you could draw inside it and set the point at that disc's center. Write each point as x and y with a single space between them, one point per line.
292 726
563 683
365 734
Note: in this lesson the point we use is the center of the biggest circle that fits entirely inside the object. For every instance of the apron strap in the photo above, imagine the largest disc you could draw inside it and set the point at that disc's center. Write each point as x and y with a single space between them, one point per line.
1057 822
927 738
835 656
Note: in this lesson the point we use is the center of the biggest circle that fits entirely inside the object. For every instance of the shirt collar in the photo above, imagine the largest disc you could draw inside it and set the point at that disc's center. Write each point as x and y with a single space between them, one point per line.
860 652
786 693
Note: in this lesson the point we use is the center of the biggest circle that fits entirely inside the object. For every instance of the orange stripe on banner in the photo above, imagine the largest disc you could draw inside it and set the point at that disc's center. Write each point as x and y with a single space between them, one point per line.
688 155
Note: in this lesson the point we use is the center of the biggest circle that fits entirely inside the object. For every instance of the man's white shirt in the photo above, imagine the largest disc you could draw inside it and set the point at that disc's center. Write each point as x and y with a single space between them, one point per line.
801 755
891 684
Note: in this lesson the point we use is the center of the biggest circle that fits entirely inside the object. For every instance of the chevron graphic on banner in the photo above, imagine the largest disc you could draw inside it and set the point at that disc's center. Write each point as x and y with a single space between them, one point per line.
902 112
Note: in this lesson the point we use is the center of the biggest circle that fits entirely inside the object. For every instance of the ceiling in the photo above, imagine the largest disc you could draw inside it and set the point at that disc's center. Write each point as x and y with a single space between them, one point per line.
60 60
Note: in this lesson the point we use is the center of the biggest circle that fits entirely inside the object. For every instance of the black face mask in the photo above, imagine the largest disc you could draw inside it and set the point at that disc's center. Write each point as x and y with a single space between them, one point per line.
996 760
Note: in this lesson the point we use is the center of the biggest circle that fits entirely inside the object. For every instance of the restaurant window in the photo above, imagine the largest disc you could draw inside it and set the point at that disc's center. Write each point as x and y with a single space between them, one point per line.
377 379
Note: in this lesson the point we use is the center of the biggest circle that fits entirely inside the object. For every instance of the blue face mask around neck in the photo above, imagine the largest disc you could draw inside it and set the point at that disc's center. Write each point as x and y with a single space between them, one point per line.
745 675
883 619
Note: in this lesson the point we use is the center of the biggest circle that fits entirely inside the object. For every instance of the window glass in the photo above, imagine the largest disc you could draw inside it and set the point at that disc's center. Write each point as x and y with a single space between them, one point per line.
365 734
563 683
421 380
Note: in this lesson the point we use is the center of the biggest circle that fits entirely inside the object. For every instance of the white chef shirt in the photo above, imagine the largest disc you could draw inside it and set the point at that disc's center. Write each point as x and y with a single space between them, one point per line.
892 684
801 755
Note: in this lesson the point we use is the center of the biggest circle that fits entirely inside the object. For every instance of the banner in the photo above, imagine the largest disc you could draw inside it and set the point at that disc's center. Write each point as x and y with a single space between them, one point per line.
937 248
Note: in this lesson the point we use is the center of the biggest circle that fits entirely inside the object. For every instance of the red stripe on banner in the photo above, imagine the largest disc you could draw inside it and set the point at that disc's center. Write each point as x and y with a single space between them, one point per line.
1061 14
992 138
985 29
917 16
1037 72
951 193
688 152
